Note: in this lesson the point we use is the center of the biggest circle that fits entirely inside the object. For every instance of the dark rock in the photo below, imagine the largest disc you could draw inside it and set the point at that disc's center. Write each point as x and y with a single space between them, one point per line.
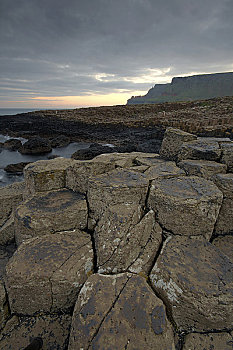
151 146
92 152
16 168
60 141
12 144
36 145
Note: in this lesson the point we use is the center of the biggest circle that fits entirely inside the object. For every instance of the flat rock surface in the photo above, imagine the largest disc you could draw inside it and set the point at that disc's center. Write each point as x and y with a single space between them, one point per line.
203 168
210 341
46 273
163 169
227 155
200 149
19 332
186 205
126 239
195 280
115 187
46 175
50 212
119 312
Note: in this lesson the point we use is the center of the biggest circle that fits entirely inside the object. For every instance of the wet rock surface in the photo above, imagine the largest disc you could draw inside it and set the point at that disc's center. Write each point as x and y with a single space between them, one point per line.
12 144
120 320
36 145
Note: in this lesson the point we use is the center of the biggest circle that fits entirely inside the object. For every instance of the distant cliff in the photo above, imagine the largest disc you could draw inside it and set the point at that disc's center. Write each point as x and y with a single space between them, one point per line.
196 87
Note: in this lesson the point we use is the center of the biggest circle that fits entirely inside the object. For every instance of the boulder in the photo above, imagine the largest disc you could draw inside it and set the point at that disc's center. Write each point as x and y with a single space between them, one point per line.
225 244
91 152
119 312
227 155
46 273
115 187
202 168
209 341
126 239
12 144
163 169
49 213
4 309
16 168
224 222
36 145
46 175
53 330
195 281
173 139
149 161
78 174
10 197
60 141
186 205
200 149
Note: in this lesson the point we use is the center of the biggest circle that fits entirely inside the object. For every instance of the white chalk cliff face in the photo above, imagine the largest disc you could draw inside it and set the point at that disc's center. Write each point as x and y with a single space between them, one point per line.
130 249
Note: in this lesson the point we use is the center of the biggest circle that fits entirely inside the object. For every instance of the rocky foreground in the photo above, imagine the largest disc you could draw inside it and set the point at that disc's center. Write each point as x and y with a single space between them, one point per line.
134 124
124 251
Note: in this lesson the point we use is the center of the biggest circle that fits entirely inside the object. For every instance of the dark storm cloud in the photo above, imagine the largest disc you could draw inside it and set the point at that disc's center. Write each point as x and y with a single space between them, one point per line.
72 47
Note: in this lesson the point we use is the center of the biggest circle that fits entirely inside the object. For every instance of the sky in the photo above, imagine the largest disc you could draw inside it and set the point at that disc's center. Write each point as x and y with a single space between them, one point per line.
77 53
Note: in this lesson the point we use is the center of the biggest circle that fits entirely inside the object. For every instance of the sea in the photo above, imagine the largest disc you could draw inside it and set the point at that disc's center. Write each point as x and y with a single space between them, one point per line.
13 111
13 157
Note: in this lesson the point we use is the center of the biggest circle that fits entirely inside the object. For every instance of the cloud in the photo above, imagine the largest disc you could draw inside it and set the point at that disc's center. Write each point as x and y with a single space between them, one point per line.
77 48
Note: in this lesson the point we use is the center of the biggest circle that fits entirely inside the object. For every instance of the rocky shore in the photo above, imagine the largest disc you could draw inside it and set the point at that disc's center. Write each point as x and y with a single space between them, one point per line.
124 251
137 124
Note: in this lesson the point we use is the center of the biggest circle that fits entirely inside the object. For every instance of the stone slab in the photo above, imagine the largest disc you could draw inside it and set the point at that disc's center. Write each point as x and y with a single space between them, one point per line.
195 280
186 205
225 244
50 212
119 312
46 273
163 169
202 168
115 187
200 149
126 239
46 175
173 139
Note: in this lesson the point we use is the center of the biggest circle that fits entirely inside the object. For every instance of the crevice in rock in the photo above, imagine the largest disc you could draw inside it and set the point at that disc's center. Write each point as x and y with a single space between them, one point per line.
147 209
91 233
108 312
9 215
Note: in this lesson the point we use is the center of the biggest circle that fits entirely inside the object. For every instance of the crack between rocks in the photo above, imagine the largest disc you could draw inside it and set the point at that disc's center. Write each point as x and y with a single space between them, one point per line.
8 218
91 233
107 313
147 196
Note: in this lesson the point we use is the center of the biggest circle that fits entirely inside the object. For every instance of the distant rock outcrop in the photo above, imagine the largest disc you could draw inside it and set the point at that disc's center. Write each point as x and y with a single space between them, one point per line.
196 87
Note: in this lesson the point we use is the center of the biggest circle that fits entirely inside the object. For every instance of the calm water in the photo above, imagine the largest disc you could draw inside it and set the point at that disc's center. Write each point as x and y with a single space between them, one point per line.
13 157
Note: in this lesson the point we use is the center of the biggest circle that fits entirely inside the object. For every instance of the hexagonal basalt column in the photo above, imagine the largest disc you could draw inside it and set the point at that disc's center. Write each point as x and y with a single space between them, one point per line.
115 187
224 222
46 273
50 212
195 281
186 205
119 312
